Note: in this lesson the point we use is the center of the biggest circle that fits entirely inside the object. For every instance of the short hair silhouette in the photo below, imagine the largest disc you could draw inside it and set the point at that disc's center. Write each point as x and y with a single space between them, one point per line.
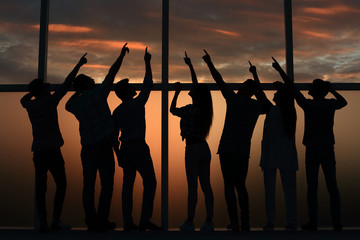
121 88
250 86
35 86
319 88
83 82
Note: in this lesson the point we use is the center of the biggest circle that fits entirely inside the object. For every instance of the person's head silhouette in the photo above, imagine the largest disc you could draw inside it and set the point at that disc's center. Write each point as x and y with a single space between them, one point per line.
319 88
283 94
248 88
124 90
83 82
38 88
200 92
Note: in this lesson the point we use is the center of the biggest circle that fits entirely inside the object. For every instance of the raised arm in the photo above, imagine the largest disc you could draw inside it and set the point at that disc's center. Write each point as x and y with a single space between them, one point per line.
282 73
174 100
341 102
148 81
62 90
260 95
114 69
300 99
26 99
192 70
225 90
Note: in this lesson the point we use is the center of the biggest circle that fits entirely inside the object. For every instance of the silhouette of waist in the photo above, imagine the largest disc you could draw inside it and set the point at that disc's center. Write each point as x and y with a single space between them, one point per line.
133 141
193 140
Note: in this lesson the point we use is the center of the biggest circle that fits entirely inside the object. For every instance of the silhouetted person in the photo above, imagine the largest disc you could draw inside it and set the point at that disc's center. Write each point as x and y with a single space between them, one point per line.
278 152
234 149
47 141
134 153
319 141
90 107
195 123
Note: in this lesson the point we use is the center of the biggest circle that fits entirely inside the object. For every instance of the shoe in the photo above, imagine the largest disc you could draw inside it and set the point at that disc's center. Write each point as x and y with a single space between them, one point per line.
207 227
338 227
43 227
290 227
92 225
130 227
309 226
268 227
245 226
187 226
149 226
234 226
59 225
106 226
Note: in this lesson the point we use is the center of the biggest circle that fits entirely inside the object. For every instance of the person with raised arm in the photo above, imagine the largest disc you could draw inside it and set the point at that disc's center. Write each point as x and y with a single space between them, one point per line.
134 153
278 152
41 106
195 123
319 141
234 148
97 131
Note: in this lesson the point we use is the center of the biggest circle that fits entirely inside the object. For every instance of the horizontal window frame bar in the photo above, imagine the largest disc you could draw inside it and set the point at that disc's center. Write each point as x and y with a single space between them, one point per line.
187 86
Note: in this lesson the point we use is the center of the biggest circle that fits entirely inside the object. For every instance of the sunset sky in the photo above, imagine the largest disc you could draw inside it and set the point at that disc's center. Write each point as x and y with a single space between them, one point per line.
326 45
326 38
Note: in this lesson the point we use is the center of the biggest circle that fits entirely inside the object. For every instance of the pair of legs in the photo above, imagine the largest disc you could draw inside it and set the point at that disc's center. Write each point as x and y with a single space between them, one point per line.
326 159
288 180
94 158
44 161
234 168
136 158
197 166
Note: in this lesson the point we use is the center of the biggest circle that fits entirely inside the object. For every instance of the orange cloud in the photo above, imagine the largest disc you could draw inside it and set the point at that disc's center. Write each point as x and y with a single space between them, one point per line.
317 34
224 32
62 28
107 44
331 10
95 66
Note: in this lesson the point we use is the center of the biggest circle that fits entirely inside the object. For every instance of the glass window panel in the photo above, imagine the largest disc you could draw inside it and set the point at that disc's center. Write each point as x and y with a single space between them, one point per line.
19 40
346 135
326 40
101 28
17 170
232 32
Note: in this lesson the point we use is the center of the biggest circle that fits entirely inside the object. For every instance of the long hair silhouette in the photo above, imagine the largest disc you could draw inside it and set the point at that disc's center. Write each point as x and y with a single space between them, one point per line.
285 99
202 99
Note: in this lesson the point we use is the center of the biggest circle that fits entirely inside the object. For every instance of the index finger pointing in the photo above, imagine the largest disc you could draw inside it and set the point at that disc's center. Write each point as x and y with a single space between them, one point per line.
186 54
84 55
206 52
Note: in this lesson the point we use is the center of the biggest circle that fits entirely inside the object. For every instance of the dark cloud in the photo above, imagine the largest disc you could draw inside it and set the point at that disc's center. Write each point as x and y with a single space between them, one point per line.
326 37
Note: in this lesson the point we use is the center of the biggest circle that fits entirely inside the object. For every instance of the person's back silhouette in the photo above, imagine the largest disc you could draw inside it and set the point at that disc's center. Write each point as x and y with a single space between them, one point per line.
47 141
234 148
319 141
90 107
195 123
134 153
